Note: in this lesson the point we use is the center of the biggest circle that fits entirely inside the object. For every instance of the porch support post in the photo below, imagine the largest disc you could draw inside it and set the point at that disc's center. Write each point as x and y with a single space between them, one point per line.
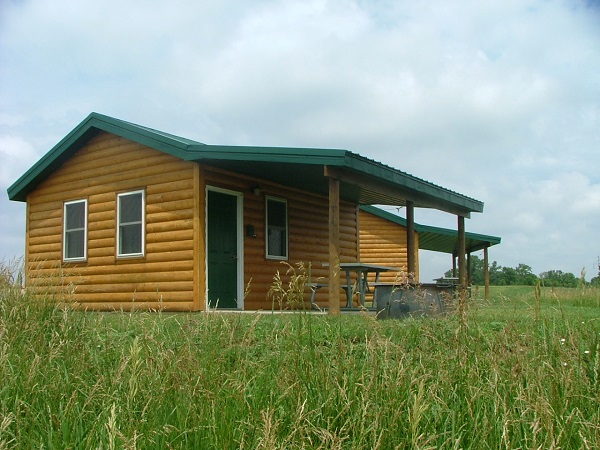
486 272
454 265
462 272
410 241
334 246
468 269
462 269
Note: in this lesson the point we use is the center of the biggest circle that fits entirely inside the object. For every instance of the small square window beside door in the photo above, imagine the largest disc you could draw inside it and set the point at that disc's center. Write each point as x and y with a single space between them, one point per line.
75 231
131 224
277 228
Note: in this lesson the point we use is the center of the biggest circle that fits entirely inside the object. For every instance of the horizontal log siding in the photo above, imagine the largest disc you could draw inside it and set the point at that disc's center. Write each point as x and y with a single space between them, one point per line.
384 243
308 217
105 166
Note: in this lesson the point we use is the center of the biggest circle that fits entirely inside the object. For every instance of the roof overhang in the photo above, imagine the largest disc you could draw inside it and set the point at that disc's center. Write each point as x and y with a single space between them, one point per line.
362 180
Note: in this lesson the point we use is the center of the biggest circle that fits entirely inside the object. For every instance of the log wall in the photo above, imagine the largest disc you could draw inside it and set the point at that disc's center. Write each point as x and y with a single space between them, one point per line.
171 275
105 166
383 242
308 217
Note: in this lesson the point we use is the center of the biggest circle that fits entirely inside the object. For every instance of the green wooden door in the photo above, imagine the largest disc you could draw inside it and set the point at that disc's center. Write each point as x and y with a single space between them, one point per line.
222 250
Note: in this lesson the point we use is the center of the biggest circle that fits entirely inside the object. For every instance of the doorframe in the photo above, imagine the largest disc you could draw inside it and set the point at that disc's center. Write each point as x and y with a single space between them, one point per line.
240 243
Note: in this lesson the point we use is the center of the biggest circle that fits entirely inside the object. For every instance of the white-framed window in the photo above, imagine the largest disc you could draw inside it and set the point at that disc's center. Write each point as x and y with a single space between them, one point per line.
277 228
75 231
131 223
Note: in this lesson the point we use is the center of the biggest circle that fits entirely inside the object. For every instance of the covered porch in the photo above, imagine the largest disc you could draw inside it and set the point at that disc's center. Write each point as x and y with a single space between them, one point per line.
341 175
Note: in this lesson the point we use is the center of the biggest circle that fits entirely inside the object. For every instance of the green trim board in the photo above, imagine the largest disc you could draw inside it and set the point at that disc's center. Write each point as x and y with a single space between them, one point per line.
438 239
363 180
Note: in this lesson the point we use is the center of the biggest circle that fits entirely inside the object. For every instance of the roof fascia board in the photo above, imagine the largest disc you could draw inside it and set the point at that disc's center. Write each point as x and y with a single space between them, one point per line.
81 134
492 240
392 188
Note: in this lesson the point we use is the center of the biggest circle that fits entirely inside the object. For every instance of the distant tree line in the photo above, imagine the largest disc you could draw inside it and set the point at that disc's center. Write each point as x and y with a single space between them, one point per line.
523 275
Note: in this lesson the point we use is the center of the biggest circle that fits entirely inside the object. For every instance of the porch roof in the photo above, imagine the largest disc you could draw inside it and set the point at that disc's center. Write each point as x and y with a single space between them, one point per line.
438 239
362 180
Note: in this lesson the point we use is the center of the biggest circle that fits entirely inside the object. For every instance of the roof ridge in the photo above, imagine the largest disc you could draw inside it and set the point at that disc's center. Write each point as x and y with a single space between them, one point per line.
176 137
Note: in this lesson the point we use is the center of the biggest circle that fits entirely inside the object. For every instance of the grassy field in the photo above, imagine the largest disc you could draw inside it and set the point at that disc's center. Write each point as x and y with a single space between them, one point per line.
518 371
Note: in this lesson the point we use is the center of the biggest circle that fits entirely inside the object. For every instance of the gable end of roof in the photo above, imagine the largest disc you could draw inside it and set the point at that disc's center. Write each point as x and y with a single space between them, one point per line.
82 133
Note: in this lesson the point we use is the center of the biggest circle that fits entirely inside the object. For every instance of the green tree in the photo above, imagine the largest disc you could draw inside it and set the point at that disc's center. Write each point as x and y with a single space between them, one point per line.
477 271
500 276
558 278
525 275
477 274
495 274
509 276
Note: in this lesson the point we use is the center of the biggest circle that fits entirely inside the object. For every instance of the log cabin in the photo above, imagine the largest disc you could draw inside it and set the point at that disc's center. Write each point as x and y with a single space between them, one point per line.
121 216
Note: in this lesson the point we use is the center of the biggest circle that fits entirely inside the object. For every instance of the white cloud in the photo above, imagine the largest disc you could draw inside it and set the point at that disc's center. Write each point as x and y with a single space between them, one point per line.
497 100
17 155
11 120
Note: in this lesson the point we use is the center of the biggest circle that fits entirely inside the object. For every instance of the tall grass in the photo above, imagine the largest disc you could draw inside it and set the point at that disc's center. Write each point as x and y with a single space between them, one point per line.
157 380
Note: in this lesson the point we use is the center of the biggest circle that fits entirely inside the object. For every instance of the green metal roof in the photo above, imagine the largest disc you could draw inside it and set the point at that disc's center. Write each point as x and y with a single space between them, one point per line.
362 180
79 136
435 238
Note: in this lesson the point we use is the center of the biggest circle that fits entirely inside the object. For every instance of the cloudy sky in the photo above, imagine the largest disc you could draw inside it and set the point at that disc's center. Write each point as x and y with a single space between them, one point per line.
498 100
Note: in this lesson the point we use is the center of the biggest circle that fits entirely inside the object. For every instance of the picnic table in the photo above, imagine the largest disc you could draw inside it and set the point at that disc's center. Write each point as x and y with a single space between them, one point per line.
452 281
362 271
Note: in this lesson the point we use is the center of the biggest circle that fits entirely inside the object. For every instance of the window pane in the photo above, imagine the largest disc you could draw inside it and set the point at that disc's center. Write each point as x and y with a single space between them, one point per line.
74 230
75 217
277 242
276 228
130 239
276 213
74 244
130 208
